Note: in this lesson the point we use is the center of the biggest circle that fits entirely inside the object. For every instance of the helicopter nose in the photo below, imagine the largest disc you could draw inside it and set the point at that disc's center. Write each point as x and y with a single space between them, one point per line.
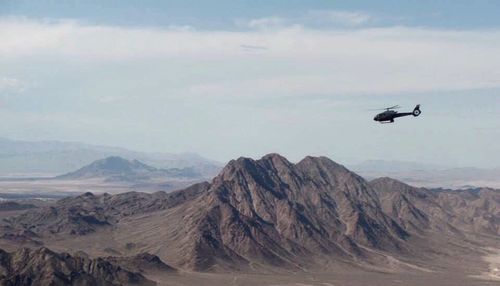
375 118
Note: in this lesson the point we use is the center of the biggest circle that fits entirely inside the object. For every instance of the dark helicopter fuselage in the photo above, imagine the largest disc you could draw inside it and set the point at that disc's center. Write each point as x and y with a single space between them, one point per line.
389 115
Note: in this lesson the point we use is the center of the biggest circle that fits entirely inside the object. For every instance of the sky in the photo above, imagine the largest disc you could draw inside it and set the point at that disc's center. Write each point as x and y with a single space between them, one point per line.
245 78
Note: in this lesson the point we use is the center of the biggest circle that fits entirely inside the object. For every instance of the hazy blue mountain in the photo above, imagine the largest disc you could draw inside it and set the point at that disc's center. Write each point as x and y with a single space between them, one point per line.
116 168
26 158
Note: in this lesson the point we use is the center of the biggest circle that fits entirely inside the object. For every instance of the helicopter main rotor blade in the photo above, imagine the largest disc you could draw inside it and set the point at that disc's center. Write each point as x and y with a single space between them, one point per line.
387 108
393 107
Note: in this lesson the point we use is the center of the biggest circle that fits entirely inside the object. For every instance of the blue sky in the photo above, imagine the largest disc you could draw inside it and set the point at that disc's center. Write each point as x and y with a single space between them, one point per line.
233 78
453 14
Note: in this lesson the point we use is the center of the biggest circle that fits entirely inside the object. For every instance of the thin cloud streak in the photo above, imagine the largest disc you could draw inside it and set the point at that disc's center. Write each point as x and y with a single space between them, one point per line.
311 19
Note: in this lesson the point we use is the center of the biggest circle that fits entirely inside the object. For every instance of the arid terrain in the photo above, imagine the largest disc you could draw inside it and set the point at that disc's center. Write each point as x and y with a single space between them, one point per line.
259 222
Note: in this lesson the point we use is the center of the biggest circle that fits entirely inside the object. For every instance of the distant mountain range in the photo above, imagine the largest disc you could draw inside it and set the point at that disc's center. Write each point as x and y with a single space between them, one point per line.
49 158
428 175
52 158
260 215
118 169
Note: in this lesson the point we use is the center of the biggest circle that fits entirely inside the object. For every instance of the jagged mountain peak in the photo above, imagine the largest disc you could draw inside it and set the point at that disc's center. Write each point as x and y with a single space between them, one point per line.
269 159
276 158
322 164
261 169
276 174
278 163
318 159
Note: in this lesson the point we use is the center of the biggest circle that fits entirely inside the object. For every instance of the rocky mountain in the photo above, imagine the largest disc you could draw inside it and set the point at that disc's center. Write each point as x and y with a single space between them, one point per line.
118 169
47 158
45 267
269 213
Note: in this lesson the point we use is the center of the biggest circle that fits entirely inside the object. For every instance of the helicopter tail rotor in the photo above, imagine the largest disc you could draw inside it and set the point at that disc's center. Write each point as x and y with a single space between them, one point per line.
416 110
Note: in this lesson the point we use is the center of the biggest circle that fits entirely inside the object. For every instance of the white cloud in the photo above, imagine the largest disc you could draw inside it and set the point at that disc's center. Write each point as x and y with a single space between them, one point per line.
295 61
8 84
345 18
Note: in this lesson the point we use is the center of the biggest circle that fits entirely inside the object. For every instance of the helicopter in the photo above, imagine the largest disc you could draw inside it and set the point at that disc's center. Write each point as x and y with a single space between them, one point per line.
389 114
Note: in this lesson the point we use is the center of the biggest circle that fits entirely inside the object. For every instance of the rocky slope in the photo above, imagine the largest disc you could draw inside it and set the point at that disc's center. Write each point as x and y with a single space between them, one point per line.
45 267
